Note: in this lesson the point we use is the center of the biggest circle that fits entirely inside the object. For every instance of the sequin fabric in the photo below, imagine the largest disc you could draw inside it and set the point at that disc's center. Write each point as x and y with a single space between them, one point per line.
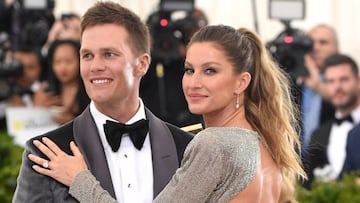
218 164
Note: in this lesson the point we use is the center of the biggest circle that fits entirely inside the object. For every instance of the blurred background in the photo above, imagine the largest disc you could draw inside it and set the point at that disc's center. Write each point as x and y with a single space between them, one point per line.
342 15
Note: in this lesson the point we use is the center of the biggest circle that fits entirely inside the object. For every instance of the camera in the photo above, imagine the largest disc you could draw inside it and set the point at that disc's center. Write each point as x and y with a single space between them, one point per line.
31 22
9 68
290 46
169 32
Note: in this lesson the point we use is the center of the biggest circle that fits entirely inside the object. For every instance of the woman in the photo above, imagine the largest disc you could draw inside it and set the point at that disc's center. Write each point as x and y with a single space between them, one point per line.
247 152
65 81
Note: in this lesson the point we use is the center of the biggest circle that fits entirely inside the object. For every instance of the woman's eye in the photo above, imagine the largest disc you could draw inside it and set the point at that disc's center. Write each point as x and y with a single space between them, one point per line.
188 70
210 71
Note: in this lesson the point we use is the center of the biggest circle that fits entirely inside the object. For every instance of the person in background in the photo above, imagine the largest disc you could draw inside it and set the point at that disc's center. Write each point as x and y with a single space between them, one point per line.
67 27
315 106
65 81
28 88
326 150
136 166
249 141
161 88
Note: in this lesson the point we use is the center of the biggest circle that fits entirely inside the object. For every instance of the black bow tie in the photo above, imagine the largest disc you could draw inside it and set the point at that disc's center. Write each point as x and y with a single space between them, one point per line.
137 132
349 118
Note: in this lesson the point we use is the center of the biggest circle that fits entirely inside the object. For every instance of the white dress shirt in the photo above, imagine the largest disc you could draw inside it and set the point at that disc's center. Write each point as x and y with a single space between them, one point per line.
336 150
131 169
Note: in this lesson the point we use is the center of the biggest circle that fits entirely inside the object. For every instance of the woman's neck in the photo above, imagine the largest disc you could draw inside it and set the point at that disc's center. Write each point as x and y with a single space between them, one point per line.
235 119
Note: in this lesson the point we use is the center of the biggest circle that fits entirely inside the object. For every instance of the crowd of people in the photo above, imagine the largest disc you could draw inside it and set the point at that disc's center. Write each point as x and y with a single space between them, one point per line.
40 86
257 142
50 74
329 97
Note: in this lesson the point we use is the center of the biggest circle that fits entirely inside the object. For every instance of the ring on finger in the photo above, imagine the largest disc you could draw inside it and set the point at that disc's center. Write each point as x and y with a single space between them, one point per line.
45 164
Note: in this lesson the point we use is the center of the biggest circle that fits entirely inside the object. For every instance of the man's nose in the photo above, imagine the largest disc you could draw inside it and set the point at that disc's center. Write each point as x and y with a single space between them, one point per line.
97 64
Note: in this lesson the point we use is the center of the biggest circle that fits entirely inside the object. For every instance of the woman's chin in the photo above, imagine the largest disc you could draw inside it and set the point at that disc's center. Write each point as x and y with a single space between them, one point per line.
196 110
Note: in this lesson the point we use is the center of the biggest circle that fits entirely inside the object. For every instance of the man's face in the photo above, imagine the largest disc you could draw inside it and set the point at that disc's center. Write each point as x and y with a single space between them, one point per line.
324 44
31 69
342 86
108 65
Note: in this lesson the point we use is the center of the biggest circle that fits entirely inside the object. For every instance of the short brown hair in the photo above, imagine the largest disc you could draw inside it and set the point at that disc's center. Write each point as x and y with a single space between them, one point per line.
110 12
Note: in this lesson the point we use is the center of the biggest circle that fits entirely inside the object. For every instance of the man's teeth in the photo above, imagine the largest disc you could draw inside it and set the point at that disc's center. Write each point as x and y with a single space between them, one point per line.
101 81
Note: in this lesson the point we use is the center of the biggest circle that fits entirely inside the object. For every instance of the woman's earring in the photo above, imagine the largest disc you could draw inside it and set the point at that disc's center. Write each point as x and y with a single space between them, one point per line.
237 104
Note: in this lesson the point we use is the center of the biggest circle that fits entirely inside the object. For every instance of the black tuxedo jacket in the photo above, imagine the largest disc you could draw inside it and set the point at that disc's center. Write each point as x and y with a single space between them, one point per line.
167 143
316 154
352 160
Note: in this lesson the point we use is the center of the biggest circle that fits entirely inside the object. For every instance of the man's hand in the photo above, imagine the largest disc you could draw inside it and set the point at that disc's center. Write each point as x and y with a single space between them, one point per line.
313 80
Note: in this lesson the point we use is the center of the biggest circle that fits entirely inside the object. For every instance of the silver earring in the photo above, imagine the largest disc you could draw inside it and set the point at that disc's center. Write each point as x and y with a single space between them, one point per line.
237 104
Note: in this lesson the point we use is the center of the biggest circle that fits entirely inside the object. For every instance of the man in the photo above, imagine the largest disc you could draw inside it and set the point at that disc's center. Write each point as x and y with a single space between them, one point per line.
161 88
114 56
326 152
26 87
28 90
314 106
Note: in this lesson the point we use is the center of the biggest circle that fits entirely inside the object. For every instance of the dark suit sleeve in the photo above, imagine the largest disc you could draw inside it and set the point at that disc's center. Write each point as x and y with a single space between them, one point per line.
33 187
352 160
181 139
347 164
316 152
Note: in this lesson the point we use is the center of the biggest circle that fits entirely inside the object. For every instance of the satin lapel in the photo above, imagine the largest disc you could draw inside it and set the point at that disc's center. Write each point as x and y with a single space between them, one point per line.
164 155
87 137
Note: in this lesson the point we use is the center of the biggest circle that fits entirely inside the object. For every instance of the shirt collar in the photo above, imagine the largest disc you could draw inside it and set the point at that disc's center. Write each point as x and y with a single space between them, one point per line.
100 120
355 114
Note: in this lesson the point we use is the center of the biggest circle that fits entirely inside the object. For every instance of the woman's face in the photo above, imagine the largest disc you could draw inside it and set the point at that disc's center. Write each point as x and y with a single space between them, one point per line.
66 63
209 82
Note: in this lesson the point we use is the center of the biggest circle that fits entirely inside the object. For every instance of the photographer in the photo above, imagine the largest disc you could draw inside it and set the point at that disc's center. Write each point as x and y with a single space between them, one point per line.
27 88
67 27
163 85
315 107
20 82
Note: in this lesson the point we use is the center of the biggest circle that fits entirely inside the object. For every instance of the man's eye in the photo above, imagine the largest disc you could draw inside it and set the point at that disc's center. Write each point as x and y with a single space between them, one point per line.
109 54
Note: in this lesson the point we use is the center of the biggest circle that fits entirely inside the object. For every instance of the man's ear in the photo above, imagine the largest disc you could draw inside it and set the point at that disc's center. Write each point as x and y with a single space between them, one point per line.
142 64
242 82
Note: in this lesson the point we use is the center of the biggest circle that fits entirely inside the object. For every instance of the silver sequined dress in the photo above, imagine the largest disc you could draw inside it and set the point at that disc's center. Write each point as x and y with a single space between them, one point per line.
217 164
